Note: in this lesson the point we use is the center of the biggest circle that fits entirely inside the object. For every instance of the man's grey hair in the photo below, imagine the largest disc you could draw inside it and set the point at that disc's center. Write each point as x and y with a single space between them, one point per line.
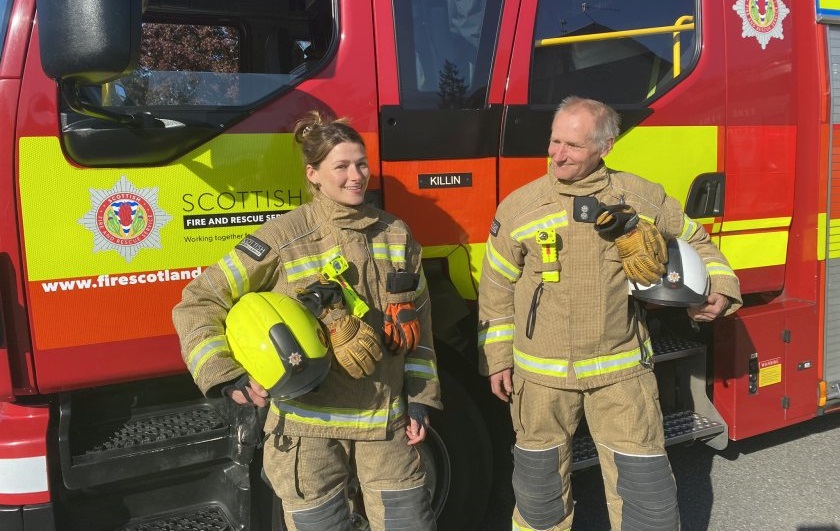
606 119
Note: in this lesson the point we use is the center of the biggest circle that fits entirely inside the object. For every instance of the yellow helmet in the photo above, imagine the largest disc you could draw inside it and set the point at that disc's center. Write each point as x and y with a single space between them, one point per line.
279 343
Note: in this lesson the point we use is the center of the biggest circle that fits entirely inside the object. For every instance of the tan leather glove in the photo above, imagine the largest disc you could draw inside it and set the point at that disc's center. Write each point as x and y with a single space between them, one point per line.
354 343
643 253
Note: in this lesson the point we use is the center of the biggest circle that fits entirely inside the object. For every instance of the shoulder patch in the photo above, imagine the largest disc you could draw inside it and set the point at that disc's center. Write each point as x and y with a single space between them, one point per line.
253 247
494 227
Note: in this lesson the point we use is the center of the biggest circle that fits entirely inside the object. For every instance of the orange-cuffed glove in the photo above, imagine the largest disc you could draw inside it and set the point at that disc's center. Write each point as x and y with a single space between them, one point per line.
402 328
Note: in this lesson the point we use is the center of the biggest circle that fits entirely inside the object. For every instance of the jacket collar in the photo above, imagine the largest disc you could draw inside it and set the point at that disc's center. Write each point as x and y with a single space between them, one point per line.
589 185
344 216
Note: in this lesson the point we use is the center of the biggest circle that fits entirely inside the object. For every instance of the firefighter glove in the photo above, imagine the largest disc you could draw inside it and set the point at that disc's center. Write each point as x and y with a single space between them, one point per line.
402 328
321 298
354 345
420 413
643 253
615 220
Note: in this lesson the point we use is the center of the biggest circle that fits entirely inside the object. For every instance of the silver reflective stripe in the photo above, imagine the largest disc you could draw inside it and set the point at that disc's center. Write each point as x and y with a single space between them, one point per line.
203 351
609 363
547 367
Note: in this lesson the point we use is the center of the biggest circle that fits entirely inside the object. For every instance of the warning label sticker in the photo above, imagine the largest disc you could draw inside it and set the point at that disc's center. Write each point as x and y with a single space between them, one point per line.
769 372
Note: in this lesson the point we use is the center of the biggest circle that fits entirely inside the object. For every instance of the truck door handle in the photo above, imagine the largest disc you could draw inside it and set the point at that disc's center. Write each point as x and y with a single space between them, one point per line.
705 196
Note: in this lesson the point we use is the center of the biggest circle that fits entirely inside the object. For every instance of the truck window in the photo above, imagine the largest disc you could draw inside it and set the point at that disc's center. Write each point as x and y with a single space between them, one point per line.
195 56
444 50
5 11
578 50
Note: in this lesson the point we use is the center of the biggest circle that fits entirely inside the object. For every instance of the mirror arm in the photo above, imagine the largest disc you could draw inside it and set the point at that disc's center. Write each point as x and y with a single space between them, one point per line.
70 91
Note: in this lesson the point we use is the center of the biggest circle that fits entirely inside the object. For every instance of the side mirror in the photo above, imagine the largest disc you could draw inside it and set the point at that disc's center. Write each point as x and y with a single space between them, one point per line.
89 42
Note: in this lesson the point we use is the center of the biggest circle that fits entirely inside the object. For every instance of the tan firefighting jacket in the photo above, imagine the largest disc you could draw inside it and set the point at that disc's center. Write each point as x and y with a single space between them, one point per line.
583 328
287 253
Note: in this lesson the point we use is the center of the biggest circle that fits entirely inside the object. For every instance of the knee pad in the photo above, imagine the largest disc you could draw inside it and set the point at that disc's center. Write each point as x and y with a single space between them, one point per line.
649 493
332 515
408 510
538 487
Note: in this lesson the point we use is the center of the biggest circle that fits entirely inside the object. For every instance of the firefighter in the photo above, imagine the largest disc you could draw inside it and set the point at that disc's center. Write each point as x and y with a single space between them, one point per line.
358 270
558 334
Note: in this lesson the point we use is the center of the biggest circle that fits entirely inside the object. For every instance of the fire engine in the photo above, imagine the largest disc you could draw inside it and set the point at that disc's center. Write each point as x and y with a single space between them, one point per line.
141 140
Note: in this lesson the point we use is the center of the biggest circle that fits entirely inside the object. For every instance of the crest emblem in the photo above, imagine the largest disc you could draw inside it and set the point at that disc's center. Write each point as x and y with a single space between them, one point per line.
673 277
295 359
761 19
125 219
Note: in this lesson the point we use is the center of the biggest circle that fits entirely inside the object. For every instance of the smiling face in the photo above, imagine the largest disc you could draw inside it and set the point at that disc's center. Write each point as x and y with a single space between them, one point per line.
573 152
343 175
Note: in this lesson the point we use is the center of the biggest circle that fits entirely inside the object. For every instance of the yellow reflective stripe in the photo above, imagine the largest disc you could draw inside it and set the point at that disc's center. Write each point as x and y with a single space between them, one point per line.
691 150
203 351
609 363
689 228
823 235
553 221
648 219
760 249
235 274
502 266
753 224
547 367
495 334
719 268
421 368
310 265
335 417
464 262
393 253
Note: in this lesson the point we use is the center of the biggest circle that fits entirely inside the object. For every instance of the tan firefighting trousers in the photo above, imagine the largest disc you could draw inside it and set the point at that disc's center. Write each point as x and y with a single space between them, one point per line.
310 475
625 421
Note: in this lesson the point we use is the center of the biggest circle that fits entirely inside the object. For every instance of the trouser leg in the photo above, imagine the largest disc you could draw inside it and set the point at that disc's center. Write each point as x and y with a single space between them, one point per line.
625 421
544 420
310 477
392 478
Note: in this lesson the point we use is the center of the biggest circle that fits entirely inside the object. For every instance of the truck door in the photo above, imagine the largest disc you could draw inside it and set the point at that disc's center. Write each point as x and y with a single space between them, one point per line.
442 66
210 157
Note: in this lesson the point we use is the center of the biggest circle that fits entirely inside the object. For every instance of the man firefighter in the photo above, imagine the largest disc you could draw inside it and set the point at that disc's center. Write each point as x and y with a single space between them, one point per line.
358 407
558 334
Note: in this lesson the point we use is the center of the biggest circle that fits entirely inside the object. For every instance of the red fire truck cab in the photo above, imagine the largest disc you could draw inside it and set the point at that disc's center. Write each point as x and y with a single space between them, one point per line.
139 142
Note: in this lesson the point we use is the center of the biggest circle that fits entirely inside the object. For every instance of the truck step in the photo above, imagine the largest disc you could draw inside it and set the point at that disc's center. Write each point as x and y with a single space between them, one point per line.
207 518
681 426
128 438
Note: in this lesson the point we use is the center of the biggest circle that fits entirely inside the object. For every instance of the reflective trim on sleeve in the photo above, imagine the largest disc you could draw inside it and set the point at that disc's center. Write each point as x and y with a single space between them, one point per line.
547 367
334 417
553 221
609 363
719 268
393 253
495 334
421 368
203 351
309 265
689 228
235 274
500 265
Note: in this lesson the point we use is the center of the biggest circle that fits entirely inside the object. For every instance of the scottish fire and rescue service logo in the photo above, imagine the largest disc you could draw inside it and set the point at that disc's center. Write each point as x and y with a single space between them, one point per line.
125 219
761 19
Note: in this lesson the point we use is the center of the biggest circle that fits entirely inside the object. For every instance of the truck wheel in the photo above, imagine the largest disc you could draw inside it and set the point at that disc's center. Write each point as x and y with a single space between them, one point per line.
458 460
